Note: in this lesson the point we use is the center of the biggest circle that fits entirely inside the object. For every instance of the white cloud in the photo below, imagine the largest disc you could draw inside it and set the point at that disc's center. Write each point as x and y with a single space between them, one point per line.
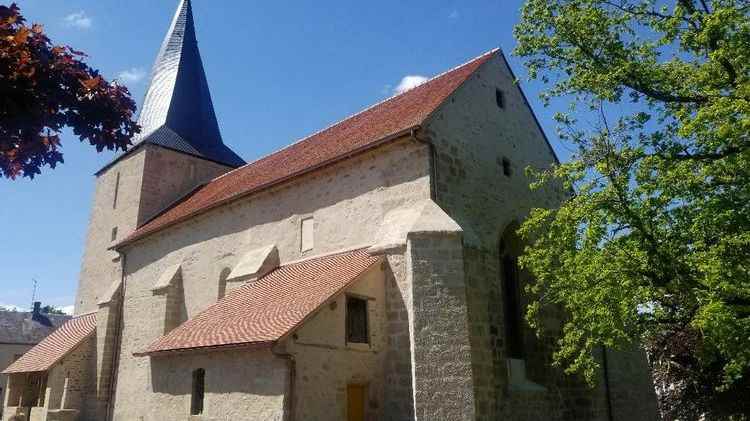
409 82
454 14
78 20
134 75
11 307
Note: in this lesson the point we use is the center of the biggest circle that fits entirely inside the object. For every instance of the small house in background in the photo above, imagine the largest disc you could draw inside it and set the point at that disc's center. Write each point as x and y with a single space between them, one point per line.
19 332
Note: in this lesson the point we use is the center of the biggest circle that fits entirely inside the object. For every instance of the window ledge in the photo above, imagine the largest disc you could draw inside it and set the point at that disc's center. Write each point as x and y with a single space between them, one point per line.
359 346
517 380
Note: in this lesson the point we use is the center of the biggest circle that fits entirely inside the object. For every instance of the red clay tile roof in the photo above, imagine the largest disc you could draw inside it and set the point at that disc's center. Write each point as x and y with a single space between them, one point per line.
359 132
55 346
263 311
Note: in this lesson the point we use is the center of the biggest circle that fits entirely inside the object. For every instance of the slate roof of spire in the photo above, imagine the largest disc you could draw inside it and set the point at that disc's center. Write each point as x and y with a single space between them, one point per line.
177 112
367 129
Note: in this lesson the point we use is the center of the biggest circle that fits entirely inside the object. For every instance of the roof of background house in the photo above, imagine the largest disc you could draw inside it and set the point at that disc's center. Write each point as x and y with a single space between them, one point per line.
177 112
369 128
28 328
264 311
55 346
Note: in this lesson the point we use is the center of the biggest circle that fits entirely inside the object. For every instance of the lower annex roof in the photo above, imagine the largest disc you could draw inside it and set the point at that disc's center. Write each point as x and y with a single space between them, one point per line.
265 310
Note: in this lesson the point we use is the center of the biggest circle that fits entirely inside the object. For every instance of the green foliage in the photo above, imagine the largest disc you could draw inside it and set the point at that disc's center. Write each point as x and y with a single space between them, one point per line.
653 241
52 310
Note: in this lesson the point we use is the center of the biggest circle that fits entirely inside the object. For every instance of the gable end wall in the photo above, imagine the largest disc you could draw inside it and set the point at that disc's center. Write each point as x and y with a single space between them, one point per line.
471 137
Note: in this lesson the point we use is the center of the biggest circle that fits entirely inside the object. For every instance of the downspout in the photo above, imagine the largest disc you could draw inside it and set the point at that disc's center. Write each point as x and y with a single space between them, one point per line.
292 365
433 162
605 365
118 339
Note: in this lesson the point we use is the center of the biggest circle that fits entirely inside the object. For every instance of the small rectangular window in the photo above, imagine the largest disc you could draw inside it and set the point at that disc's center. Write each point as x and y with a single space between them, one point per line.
507 169
308 234
199 391
356 321
114 234
117 191
500 98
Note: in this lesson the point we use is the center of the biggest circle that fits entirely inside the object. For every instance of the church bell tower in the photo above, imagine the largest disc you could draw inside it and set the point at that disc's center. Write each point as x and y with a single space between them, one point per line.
179 147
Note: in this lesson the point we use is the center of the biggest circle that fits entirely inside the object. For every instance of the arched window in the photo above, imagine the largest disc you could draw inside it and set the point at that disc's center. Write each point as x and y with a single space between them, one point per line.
509 250
198 392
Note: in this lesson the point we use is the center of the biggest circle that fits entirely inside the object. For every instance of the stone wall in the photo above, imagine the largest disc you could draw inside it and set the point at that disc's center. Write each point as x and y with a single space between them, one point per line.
481 152
632 392
326 363
97 267
355 194
440 347
239 385
399 395
71 384
127 194
168 176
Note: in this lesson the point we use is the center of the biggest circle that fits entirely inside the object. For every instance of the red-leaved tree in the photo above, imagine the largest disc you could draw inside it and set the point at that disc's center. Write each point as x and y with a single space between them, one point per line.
44 88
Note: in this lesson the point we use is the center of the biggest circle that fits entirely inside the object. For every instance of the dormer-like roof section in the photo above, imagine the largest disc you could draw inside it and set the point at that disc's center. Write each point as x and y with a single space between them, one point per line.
177 112
261 312
374 126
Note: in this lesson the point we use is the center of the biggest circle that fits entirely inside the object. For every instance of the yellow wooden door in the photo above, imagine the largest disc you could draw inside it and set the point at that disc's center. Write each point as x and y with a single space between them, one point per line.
355 397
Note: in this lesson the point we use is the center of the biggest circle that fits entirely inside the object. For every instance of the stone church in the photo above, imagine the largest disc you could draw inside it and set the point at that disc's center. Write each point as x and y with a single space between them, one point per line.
366 272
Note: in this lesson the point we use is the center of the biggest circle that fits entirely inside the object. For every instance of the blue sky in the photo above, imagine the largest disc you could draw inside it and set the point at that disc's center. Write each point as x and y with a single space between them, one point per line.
277 71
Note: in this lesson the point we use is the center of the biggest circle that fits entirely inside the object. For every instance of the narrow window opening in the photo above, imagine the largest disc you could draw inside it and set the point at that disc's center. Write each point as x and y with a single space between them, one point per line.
223 282
191 170
500 98
117 191
356 321
507 169
513 322
114 234
199 391
307 241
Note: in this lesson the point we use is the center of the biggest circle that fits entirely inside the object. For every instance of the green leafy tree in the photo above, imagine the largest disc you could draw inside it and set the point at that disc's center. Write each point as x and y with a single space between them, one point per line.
52 310
44 88
653 243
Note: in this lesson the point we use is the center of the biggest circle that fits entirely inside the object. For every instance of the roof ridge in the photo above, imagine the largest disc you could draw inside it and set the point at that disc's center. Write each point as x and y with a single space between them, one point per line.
367 129
362 111
329 254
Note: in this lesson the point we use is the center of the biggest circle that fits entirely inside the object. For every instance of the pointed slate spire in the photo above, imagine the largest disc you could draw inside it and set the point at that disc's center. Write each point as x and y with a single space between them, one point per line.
177 112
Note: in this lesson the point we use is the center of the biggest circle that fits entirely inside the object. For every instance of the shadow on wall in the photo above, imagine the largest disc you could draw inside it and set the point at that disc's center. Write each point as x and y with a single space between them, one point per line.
399 395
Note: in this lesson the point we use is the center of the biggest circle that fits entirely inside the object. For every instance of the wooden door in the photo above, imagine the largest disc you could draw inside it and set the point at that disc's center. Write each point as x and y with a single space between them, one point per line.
355 397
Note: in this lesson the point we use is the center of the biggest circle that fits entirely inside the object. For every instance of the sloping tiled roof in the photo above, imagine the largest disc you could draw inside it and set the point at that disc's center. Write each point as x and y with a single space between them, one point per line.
56 346
27 328
263 311
362 131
